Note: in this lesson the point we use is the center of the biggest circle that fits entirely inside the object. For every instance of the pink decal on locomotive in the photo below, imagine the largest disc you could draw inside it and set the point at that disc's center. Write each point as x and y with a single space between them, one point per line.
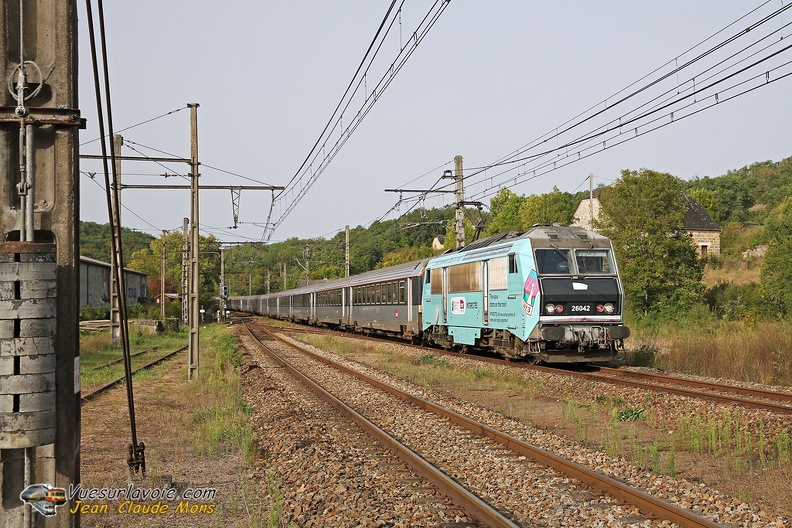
530 291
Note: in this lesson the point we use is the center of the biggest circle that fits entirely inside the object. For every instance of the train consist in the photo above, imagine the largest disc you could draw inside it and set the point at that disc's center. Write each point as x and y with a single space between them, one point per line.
551 294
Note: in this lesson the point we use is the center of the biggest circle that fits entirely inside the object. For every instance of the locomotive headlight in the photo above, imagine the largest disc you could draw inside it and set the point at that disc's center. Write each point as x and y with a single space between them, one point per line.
550 308
608 308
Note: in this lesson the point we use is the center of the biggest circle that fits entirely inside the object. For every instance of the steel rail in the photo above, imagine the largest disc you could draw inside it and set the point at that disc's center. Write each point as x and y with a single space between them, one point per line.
469 502
117 361
104 388
645 502
720 387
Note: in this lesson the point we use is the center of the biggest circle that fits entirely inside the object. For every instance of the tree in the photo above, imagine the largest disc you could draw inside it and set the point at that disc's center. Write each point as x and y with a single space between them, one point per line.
149 261
776 269
554 207
95 241
505 209
643 214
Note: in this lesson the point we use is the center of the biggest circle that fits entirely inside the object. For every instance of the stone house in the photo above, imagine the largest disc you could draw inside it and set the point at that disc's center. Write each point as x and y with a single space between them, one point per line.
703 230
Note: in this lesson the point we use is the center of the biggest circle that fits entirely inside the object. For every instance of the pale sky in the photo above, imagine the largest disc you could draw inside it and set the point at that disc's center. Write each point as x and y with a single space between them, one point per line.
487 79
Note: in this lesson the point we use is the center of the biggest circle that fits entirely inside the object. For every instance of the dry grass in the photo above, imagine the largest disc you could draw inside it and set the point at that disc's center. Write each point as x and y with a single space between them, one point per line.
197 434
737 272
750 351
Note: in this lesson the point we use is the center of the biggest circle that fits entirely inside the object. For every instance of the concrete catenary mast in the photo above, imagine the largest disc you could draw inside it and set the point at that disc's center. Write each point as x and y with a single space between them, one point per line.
39 212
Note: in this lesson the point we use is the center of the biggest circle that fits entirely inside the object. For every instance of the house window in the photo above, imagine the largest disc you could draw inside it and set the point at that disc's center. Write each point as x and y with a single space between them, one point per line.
704 248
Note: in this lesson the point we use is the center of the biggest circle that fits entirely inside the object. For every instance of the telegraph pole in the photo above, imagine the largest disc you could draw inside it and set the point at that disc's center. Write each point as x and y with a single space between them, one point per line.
192 372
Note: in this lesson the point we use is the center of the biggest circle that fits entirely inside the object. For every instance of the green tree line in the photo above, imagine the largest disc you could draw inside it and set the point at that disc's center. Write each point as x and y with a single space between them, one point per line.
642 212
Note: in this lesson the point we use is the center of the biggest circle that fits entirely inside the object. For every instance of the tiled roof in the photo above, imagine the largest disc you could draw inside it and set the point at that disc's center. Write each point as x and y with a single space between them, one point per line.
697 218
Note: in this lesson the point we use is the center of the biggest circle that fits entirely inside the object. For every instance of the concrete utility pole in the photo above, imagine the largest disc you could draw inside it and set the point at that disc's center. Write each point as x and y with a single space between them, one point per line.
459 195
192 369
185 289
39 266
223 289
346 252
115 311
460 198
162 280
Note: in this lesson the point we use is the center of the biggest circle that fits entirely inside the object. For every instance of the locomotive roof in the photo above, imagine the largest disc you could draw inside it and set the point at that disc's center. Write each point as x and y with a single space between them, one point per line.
540 235
555 234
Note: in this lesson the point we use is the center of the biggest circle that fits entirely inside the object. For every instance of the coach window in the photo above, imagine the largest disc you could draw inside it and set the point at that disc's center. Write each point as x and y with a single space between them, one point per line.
402 292
394 292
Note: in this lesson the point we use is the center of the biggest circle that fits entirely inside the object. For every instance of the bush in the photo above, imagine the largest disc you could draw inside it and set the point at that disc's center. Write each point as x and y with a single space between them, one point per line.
735 302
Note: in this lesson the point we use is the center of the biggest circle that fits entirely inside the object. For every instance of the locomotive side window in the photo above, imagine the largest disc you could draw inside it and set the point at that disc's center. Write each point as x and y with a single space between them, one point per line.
464 277
437 283
498 273
512 263
553 261
593 261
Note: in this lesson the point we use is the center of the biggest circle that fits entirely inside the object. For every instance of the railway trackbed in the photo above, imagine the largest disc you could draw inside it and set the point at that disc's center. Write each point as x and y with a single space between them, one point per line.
86 397
495 477
754 398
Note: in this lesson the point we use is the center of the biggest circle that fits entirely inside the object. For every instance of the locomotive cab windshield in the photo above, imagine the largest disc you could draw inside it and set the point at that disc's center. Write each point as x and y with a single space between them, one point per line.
555 261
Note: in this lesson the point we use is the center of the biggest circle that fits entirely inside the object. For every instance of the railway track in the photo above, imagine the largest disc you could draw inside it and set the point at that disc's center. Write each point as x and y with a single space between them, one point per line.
773 401
118 381
508 513
780 402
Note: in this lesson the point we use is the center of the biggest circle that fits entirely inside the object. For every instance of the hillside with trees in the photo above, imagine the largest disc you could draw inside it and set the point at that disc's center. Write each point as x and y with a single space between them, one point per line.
95 241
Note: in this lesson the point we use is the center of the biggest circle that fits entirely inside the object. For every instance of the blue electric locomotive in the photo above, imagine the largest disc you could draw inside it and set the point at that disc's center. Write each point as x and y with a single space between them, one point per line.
551 294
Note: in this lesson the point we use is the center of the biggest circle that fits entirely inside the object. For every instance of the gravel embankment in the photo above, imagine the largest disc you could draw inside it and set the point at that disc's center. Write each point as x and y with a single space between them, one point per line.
698 497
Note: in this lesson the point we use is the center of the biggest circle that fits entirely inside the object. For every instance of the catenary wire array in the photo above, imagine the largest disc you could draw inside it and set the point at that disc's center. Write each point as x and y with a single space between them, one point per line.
336 132
744 56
